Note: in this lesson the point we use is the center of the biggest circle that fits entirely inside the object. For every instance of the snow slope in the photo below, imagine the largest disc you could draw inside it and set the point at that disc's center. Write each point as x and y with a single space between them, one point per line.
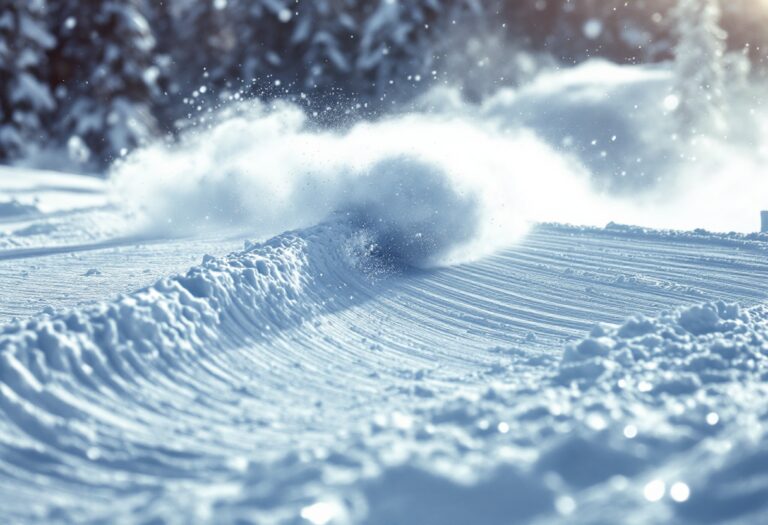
306 376
393 357
64 241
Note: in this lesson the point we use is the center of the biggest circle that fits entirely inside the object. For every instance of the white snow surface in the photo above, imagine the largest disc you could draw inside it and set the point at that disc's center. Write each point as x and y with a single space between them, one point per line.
303 372
407 341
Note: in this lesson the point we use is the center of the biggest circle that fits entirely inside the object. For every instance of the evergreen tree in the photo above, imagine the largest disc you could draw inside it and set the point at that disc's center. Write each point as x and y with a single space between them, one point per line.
25 99
206 44
161 16
120 69
576 30
104 75
745 22
262 28
403 41
699 67
324 41
302 44
395 42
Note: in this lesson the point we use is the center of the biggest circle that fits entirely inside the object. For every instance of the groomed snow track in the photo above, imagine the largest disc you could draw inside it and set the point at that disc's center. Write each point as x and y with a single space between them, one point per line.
304 380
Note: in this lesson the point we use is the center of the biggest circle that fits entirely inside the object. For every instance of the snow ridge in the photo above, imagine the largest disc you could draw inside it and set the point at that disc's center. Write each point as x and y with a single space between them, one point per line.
267 287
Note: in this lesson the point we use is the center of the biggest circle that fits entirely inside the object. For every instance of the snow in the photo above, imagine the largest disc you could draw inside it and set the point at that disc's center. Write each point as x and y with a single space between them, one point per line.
408 179
407 391
405 339
49 192
13 208
268 171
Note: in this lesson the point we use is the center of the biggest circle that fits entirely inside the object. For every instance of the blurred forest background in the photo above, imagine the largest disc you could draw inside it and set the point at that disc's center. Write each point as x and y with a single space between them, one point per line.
93 79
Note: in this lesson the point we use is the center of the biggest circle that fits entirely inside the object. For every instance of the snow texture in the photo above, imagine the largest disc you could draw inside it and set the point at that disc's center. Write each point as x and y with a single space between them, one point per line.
344 368
293 379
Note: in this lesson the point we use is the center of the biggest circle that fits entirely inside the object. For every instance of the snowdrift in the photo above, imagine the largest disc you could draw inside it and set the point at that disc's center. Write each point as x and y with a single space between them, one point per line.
270 286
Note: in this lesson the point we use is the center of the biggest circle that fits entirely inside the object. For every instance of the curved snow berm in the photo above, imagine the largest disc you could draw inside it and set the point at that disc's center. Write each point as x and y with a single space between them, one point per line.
85 393
269 286
317 378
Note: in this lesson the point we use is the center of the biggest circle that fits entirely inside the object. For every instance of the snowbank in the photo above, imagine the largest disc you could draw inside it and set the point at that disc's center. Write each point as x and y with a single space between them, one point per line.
612 119
273 285
709 343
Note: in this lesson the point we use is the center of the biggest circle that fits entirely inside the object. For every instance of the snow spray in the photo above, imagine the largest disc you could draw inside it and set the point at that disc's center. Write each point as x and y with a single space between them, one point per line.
451 182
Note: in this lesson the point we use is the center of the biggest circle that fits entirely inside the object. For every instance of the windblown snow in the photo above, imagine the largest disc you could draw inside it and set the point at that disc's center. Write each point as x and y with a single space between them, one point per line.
407 340
466 179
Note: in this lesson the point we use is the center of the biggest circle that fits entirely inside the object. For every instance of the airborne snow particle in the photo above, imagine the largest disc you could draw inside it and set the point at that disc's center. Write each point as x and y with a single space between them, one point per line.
655 490
671 102
321 512
592 28
680 492
565 505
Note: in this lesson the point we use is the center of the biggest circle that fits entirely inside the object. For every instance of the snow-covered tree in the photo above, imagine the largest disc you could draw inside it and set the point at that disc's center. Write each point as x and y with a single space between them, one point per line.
25 99
403 41
699 67
746 22
161 16
104 74
576 30
303 45
324 41
263 33
121 70
206 44
395 41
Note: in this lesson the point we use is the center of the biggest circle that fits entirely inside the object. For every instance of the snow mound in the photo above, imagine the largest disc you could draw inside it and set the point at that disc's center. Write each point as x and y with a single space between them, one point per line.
568 148
14 209
610 118
268 287
701 344
690 387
